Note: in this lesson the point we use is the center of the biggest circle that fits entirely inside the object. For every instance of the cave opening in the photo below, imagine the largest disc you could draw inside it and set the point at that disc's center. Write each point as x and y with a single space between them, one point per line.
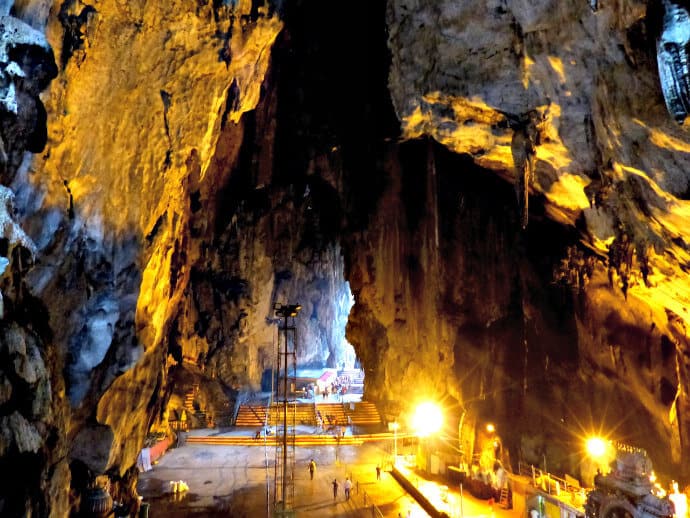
327 366
334 121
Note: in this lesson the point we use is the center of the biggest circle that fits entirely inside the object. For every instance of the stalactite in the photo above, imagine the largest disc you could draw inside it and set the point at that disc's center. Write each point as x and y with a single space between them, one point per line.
523 148
575 269
621 255
433 192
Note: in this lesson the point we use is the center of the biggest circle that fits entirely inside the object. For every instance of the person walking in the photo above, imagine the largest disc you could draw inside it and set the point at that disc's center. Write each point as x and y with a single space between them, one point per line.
335 489
378 472
347 486
312 468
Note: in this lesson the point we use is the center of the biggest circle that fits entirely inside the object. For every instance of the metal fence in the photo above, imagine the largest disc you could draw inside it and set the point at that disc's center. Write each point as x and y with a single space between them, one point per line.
544 480
368 507
567 490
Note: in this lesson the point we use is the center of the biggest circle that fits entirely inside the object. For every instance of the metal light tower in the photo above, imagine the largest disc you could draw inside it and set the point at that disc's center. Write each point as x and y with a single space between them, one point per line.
284 490
395 427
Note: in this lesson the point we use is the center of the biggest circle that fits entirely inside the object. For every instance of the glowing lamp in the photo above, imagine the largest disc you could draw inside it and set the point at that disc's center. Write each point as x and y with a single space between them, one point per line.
596 446
427 419
680 503
490 428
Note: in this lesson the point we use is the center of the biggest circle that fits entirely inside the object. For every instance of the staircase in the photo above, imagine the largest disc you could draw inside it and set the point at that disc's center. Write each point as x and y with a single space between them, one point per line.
301 440
335 411
251 415
189 398
201 419
504 500
365 413
305 414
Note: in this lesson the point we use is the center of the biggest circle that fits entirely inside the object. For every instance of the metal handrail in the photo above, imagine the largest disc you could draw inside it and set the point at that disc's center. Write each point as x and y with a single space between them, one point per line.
545 479
372 511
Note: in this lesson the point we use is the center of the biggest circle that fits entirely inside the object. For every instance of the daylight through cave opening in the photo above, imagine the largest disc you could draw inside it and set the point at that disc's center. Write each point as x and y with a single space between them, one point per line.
326 363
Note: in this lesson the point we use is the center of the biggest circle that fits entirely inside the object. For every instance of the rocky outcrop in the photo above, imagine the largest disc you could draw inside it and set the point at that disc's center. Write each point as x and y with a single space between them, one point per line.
499 184
32 446
604 156
154 246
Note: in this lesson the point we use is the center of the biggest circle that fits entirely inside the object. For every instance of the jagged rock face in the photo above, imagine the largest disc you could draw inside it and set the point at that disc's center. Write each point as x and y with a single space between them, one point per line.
146 245
202 165
490 318
266 246
110 215
564 101
124 193
26 68
32 445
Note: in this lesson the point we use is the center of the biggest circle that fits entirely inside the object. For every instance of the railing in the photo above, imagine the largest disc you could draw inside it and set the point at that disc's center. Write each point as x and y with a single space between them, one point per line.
178 425
242 398
544 480
368 508
571 494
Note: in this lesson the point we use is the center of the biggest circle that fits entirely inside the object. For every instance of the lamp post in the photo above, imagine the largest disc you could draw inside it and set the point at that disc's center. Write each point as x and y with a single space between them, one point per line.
427 420
462 514
460 430
394 425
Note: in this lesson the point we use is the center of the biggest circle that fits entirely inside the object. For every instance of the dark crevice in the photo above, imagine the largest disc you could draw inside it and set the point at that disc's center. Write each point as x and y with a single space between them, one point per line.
73 25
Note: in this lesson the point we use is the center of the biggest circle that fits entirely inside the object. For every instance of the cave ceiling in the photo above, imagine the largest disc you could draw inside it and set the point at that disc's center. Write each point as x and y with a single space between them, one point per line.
501 187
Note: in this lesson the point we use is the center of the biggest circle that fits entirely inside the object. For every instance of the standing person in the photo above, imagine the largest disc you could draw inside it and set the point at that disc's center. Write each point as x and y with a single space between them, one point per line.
335 489
347 486
312 468
378 472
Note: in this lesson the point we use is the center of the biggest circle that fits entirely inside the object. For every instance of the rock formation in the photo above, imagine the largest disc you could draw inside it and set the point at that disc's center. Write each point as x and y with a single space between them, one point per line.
499 184
609 163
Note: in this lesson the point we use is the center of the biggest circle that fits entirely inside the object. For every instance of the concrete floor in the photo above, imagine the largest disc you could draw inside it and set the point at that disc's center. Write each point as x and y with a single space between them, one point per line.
232 481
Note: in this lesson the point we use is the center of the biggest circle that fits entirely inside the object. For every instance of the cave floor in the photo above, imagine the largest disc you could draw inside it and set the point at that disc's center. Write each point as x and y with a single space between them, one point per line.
233 481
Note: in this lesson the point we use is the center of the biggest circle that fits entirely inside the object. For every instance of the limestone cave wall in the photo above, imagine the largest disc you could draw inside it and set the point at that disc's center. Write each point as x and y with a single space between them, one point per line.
499 184
564 101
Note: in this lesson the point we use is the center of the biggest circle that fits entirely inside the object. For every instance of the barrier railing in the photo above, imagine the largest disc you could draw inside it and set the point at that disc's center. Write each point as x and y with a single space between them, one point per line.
544 480
570 493
368 508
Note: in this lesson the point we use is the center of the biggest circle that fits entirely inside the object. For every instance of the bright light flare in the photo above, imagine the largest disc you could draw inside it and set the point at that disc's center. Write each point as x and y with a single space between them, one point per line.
680 503
490 428
596 446
427 419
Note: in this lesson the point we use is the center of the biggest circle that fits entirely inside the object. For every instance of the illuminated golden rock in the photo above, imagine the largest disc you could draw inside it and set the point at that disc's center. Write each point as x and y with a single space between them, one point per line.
169 216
